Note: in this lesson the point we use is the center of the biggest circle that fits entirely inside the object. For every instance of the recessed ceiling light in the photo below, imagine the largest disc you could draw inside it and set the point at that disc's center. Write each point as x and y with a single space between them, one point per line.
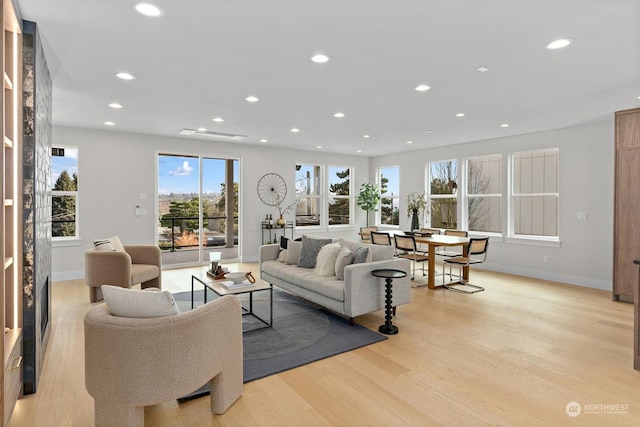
218 119
482 69
320 58
358 151
109 123
263 140
295 130
422 88
428 131
460 115
339 115
252 99
558 44
504 125
366 136
201 129
409 142
148 9
115 105
639 97
318 146
125 76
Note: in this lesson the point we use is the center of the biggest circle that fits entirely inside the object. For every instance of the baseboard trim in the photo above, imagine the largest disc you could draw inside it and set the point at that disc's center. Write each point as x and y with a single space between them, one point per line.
554 277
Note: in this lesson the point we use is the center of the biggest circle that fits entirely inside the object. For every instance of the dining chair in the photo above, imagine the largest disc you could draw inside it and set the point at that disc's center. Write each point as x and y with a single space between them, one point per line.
476 254
449 253
406 248
380 238
365 233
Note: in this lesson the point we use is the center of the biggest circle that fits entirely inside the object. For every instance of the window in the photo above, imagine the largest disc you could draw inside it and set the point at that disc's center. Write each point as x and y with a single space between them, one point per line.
389 181
534 193
64 195
340 195
484 194
443 188
308 195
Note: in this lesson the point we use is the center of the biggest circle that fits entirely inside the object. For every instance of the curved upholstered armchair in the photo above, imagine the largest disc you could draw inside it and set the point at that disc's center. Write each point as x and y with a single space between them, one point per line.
131 363
137 264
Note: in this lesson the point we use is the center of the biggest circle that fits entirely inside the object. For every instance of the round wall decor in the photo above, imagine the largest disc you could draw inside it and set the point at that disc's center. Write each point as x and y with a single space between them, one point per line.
272 189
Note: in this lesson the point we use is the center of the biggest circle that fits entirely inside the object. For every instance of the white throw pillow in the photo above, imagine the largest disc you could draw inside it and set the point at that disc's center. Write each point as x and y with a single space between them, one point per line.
326 260
344 258
282 256
111 244
293 252
125 302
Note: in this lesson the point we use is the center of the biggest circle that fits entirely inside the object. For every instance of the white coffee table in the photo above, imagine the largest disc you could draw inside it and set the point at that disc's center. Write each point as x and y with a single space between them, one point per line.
214 285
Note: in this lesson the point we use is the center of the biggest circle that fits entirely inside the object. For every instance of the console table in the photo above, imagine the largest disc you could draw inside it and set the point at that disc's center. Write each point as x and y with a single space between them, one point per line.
273 232
388 274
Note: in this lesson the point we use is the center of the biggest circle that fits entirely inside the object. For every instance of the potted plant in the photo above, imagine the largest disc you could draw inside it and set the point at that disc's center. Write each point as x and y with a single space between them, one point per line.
368 198
416 202
282 210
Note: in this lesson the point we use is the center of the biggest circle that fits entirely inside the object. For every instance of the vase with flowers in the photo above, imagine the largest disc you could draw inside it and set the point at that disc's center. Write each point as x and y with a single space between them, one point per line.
282 210
416 202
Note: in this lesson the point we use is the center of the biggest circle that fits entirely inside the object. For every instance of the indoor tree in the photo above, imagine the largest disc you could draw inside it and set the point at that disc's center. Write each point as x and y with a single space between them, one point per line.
368 198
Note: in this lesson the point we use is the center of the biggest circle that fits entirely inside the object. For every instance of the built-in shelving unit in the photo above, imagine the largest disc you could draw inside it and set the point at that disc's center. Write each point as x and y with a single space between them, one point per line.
10 222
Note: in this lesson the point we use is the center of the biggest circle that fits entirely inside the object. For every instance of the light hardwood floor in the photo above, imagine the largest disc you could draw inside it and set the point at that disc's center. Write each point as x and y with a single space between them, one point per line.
515 354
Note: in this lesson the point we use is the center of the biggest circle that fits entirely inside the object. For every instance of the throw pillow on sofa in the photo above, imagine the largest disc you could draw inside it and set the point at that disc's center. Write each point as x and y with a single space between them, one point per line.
293 252
360 255
326 260
344 258
309 251
125 302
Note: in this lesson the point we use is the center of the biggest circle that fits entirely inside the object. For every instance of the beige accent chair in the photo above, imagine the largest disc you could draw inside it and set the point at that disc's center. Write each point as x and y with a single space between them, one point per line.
132 363
138 264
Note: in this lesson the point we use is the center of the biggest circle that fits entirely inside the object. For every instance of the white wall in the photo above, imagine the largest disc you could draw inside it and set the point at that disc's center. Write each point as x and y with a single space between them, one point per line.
585 254
115 167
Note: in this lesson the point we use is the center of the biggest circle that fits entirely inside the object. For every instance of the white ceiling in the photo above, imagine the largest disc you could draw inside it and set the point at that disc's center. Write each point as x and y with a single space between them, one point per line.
202 58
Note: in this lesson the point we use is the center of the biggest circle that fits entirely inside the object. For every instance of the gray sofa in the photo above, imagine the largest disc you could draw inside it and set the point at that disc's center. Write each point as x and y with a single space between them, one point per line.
359 293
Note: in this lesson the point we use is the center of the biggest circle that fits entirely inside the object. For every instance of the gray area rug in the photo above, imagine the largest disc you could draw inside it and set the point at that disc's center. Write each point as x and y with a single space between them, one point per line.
302 333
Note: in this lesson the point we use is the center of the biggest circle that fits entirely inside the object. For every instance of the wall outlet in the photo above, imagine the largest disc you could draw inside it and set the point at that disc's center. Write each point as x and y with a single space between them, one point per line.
582 216
545 259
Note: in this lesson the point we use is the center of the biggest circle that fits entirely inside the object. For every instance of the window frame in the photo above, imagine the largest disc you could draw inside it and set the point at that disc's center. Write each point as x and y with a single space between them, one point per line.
395 199
512 196
351 197
455 195
466 196
62 240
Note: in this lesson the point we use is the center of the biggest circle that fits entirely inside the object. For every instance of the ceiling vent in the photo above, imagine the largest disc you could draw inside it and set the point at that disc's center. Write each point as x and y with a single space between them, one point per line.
209 134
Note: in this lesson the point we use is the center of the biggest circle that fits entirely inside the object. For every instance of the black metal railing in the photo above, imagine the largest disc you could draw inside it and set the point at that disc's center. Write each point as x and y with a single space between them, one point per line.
210 241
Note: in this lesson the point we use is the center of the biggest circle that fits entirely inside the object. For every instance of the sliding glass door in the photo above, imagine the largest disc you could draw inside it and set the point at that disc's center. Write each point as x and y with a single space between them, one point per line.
197 208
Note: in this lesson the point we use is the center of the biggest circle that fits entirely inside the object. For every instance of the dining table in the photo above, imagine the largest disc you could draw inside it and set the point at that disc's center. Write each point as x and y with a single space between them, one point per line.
438 240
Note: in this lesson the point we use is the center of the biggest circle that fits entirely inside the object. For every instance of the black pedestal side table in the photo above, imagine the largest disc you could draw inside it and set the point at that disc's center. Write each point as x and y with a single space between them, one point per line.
388 274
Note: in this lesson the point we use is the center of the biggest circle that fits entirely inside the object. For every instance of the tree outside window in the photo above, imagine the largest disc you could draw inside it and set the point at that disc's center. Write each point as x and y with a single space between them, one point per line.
339 196
443 194
64 195
484 193
390 200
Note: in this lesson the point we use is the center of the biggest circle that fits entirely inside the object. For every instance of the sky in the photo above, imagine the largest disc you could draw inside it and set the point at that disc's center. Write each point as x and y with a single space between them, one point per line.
69 163
181 174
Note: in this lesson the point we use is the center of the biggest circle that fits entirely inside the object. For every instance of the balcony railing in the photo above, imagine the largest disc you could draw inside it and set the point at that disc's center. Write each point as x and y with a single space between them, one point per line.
193 235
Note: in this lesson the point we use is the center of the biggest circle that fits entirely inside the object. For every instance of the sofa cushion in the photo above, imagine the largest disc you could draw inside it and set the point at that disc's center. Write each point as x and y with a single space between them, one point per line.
376 252
141 273
125 302
329 287
293 252
310 249
326 260
344 258
282 256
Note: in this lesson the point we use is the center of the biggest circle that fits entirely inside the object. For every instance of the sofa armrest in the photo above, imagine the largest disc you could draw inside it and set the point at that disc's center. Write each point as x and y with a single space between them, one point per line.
144 254
107 268
269 252
358 295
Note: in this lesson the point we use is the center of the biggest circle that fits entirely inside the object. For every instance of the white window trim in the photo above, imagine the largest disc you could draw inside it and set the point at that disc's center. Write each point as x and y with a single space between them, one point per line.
69 240
351 197
378 214
536 240
465 196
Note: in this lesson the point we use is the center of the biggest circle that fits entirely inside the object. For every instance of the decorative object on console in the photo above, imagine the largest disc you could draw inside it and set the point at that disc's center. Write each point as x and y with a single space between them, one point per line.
368 198
416 202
